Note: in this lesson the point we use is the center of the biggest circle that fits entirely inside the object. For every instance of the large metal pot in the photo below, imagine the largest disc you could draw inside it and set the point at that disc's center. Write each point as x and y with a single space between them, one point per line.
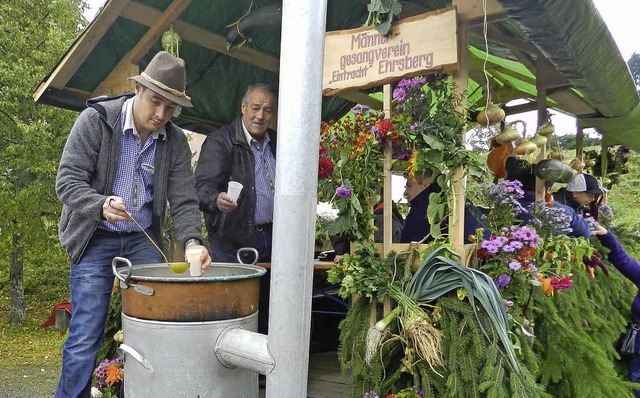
177 359
152 291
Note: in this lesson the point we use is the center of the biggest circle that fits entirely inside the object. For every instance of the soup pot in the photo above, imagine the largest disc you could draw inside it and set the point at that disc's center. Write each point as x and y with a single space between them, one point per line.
154 292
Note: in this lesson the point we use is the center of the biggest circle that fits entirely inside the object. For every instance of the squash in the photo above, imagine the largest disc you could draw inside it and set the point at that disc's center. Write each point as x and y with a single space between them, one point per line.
577 165
556 155
491 115
589 163
507 135
496 158
525 147
546 129
539 140
553 170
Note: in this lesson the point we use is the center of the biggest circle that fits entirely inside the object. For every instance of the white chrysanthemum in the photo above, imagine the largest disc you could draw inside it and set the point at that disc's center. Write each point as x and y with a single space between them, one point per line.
95 393
325 211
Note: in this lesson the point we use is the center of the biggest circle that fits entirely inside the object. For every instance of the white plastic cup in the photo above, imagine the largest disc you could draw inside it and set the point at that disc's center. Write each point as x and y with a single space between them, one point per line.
234 189
193 257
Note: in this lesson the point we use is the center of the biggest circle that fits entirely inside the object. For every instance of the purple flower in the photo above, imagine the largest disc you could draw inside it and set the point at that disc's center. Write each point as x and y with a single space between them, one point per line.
343 192
371 394
507 303
360 109
503 281
515 265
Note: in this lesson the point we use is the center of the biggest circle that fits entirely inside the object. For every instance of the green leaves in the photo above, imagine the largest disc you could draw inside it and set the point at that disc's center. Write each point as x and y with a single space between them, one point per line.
382 13
439 275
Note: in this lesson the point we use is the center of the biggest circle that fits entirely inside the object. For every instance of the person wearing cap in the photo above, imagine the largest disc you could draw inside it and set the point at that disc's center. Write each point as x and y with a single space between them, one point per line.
523 171
580 192
243 151
123 157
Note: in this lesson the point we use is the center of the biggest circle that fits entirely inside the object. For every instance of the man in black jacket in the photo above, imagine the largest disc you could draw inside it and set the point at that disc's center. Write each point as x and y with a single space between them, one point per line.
243 151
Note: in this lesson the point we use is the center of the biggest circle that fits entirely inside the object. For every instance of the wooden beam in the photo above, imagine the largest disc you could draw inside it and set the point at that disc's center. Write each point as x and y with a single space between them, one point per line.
117 82
473 9
147 16
162 23
82 47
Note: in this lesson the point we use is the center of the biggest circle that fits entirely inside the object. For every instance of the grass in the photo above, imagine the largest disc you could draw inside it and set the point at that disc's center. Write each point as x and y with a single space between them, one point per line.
30 356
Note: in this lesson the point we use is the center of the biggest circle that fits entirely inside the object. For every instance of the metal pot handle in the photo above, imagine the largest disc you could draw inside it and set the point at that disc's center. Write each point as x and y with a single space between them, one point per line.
124 280
137 356
247 249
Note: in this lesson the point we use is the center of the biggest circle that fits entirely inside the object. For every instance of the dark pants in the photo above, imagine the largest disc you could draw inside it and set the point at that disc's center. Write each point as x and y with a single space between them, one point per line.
263 239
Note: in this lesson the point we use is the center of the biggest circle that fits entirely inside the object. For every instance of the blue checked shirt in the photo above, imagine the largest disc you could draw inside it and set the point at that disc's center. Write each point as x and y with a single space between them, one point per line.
134 179
265 171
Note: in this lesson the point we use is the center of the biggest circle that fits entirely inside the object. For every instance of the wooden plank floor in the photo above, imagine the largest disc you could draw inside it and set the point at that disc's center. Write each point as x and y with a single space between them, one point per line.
325 377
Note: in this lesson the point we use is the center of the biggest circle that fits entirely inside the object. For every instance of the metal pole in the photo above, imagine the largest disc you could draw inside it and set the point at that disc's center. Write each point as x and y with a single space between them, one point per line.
300 101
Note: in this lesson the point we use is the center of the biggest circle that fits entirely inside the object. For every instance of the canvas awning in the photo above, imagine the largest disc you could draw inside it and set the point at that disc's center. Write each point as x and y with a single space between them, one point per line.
563 47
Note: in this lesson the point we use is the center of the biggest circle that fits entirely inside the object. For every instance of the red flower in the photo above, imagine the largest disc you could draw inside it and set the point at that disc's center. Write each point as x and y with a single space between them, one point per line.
561 283
325 168
323 151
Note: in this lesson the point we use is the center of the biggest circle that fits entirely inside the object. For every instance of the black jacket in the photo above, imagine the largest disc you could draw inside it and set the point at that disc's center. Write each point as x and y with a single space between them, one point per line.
226 156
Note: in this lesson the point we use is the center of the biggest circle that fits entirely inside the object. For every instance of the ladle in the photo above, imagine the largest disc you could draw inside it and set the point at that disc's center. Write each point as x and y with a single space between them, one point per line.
176 268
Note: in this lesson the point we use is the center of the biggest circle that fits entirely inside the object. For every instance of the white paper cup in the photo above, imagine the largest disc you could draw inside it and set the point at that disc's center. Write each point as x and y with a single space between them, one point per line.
234 189
193 257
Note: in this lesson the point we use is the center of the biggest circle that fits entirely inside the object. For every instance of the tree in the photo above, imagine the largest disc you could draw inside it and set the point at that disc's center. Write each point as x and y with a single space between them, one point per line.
634 67
35 34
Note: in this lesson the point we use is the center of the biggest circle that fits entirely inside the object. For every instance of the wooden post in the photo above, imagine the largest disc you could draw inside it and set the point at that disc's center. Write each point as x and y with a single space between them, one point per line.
541 99
458 180
386 191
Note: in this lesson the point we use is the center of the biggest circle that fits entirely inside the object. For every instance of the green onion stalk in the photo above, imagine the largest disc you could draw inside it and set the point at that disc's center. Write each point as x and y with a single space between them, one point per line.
417 326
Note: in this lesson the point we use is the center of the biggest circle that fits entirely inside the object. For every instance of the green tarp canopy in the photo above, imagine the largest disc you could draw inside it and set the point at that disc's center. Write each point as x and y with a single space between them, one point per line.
563 47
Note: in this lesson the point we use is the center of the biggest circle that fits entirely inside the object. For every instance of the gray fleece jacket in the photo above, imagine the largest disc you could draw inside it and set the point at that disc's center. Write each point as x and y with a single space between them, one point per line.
88 168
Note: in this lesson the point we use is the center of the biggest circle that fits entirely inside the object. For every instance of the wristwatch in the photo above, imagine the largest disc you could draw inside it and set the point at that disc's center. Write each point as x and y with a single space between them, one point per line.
190 241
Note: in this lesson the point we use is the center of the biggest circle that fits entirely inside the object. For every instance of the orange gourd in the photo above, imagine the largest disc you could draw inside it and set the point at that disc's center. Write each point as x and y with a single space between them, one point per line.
497 157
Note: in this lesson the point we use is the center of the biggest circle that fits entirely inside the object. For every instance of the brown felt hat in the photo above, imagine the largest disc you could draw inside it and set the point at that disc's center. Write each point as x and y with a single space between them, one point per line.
166 76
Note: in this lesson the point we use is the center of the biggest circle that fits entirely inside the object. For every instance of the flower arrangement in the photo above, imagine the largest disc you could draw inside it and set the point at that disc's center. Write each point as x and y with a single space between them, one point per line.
108 376
353 146
521 258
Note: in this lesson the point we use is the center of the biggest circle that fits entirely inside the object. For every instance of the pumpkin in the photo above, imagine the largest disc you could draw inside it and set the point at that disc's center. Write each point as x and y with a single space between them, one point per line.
496 158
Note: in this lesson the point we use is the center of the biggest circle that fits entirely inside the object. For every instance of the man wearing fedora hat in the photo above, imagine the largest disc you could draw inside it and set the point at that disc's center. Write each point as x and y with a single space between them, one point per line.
123 159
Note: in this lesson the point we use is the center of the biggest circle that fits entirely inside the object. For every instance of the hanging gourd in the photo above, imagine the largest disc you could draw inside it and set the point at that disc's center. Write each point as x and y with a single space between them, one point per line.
490 115
546 129
497 157
577 165
589 163
525 147
556 154
171 42
539 140
508 134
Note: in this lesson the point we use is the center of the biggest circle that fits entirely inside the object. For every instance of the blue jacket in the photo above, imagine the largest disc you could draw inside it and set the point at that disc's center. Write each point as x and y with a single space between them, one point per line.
416 224
627 267
578 225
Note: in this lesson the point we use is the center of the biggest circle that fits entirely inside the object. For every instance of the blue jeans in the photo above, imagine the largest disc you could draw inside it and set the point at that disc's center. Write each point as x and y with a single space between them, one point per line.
634 372
90 285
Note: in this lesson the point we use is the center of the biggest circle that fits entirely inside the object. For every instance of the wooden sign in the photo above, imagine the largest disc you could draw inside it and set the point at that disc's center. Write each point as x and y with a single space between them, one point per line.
361 58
